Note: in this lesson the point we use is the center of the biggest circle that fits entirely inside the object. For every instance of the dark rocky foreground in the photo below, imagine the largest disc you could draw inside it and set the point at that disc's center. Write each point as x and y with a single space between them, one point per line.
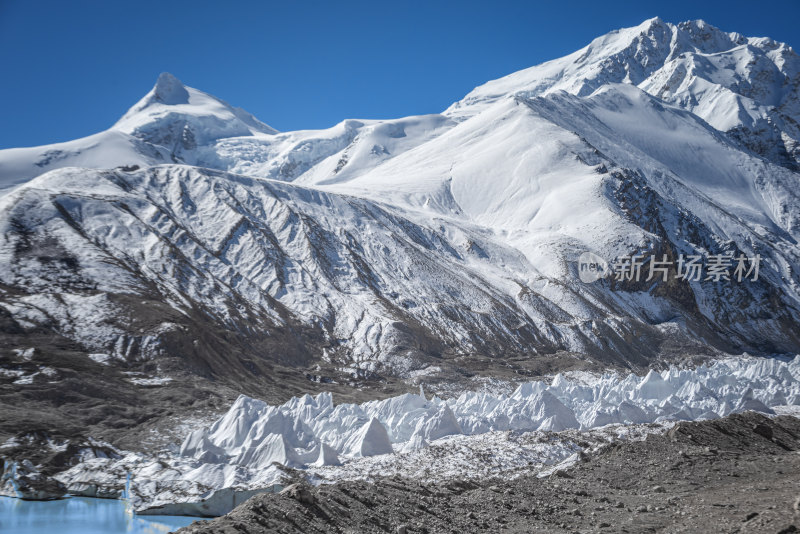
739 474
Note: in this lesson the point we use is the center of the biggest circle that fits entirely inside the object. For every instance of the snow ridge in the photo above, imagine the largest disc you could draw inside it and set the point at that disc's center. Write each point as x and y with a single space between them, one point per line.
393 241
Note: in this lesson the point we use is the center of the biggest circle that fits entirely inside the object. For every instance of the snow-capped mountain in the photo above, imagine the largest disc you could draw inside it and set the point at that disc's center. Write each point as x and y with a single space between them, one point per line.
191 229
746 87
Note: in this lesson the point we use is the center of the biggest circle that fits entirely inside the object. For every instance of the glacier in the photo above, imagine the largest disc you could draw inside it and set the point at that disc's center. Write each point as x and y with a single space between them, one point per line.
541 425
378 427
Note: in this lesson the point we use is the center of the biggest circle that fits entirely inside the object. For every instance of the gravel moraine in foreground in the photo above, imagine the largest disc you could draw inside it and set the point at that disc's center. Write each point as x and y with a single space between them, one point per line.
740 474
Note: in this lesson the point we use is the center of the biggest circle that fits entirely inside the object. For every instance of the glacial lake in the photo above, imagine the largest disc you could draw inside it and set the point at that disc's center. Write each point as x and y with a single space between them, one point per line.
81 515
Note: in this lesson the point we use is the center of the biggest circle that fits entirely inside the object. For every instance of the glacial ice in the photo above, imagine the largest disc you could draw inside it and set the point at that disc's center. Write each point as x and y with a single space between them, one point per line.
312 431
370 440
242 452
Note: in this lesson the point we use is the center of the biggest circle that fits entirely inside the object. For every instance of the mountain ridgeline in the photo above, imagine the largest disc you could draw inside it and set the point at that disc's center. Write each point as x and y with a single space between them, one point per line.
191 237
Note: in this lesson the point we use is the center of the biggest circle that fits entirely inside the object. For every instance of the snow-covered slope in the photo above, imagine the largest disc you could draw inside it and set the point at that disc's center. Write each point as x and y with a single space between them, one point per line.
105 150
386 245
747 86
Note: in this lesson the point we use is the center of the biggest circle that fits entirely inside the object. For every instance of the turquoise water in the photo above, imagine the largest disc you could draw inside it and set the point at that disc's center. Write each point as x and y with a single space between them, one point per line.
81 515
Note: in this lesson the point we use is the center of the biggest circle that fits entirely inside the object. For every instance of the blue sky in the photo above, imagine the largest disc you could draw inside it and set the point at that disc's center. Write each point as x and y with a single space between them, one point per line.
70 69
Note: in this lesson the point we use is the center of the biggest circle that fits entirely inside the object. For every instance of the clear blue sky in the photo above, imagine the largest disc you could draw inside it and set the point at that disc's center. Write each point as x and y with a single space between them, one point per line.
71 68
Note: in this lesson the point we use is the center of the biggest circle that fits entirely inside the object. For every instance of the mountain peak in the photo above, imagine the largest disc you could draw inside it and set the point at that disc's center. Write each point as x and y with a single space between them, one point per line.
650 54
651 22
173 115
169 90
